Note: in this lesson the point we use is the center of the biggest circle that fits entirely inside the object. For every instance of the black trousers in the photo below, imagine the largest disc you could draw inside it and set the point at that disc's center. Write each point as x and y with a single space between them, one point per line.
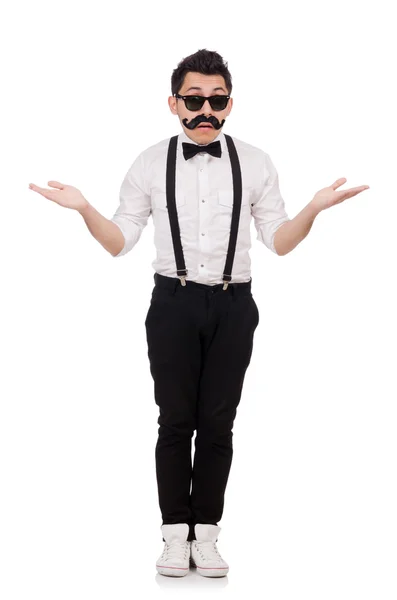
200 341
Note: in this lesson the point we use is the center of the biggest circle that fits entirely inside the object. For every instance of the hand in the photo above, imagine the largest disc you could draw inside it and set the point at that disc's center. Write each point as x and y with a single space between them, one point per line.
328 196
65 195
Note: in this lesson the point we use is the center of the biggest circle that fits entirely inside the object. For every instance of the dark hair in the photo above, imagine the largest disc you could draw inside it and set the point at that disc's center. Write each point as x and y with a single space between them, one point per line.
203 61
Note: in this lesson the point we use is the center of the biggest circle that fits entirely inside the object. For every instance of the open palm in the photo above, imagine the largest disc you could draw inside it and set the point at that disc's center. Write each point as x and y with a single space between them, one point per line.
64 195
329 196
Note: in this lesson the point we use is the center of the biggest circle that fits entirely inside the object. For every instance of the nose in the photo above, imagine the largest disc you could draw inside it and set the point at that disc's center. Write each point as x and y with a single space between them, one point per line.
206 108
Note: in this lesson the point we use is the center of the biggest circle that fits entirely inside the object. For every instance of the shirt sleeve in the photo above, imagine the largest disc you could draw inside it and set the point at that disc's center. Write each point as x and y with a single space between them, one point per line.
134 209
268 208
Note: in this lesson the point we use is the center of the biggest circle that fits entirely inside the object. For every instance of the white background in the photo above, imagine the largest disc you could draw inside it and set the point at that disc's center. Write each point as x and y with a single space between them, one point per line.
310 504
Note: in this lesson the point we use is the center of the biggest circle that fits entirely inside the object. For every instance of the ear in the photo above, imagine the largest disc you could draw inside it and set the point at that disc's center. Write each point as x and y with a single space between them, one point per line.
229 106
172 104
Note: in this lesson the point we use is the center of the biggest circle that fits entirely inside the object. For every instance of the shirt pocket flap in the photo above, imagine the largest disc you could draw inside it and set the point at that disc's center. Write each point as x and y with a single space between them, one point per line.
159 200
225 197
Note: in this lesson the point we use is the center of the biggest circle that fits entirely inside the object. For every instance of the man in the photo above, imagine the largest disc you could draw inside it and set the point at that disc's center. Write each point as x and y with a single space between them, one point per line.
202 188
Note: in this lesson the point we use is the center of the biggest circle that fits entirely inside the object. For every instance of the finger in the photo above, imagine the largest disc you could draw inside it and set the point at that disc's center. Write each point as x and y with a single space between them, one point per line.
350 193
338 183
43 191
37 188
358 189
56 184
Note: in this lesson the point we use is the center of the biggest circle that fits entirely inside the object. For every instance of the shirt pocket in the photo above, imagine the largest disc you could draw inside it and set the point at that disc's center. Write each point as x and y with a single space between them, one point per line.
160 214
225 207
159 200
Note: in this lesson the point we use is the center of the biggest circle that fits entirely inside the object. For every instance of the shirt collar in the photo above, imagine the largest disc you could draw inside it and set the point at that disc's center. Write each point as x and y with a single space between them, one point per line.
182 137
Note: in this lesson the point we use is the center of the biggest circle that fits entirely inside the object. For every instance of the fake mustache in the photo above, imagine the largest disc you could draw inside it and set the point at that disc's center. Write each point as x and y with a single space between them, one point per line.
202 119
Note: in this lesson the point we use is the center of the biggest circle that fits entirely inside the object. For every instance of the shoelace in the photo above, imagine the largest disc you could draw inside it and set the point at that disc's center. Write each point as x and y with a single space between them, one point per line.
176 549
210 550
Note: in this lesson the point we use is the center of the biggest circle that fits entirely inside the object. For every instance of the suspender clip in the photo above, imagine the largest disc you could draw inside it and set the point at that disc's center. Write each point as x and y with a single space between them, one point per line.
182 278
225 284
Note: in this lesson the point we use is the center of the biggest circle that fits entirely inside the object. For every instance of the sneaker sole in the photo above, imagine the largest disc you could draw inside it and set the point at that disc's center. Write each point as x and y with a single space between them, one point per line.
209 572
172 571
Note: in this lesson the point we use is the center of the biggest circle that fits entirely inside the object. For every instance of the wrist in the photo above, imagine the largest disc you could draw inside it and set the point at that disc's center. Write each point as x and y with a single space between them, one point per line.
84 208
315 206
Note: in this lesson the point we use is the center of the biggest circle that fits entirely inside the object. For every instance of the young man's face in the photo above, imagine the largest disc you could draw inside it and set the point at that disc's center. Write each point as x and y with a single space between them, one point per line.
196 84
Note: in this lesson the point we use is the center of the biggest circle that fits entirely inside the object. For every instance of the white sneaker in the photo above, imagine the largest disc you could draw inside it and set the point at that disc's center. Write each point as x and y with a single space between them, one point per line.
204 553
175 557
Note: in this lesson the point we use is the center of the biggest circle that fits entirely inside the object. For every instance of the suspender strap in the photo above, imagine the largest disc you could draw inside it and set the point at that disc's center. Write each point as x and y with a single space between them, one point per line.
237 195
172 212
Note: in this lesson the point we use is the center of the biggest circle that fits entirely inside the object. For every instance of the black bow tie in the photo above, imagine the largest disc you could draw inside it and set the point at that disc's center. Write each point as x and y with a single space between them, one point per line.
190 150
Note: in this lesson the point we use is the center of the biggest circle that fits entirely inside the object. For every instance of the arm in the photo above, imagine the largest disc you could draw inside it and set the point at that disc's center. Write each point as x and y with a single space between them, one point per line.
119 234
290 234
268 207
134 209
68 196
103 230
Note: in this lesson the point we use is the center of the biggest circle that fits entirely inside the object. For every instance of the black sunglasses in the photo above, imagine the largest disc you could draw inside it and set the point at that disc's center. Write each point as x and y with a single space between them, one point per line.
196 102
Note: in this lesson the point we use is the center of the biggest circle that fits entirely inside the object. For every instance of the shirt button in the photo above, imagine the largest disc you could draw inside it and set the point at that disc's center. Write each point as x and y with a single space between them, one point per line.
202 200
201 170
201 265
203 234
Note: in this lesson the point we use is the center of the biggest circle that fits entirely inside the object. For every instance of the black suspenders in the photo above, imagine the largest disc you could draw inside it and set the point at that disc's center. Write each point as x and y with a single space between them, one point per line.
173 216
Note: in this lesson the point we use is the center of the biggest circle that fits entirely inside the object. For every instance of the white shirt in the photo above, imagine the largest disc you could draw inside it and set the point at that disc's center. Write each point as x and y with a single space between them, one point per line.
204 201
